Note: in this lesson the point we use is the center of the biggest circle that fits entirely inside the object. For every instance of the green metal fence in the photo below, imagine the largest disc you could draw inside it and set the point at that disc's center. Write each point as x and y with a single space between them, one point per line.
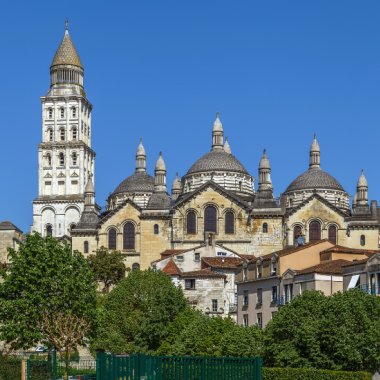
144 367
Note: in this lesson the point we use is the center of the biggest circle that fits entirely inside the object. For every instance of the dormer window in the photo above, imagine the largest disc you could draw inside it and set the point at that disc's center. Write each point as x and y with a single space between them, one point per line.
62 113
62 134
50 113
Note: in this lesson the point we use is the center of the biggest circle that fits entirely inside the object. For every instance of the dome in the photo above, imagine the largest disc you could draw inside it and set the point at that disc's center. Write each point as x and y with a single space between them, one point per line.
314 178
362 181
217 160
217 124
139 181
160 164
264 162
66 53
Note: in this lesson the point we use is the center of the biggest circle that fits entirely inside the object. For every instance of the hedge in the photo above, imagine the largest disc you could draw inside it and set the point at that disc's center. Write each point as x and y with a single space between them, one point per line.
312 374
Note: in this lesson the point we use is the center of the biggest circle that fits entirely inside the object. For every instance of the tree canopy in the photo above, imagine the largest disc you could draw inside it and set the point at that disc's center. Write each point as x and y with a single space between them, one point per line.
339 332
45 278
108 266
137 313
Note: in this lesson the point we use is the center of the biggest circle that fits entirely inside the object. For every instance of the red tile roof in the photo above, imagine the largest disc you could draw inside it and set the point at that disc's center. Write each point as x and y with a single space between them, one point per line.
171 269
341 249
170 252
222 262
330 267
203 273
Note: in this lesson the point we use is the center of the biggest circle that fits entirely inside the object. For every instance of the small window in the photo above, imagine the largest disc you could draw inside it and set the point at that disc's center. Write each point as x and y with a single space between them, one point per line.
191 223
362 240
50 135
197 256
48 160
274 294
74 112
229 223
214 306
274 269
74 159
219 271
50 113
74 133
62 134
221 254
245 274
156 229
260 296
86 247
112 239
61 159
297 232
135 266
303 286
179 258
332 234
62 113
49 230
259 271
245 300
245 320
190 284
265 228
260 320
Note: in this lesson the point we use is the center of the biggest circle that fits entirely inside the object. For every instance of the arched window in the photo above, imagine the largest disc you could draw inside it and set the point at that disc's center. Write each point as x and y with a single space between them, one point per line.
362 240
296 233
48 160
74 133
210 219
129 236
135 266
62 134
229 223
74 112
112 239
61 159
86 247
191 223
332 234
62 113
314 231
49 230
156 229
74 159
265 228
50 113
50 135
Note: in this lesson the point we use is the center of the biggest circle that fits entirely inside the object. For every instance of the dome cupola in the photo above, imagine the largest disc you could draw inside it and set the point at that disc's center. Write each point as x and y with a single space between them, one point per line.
227 148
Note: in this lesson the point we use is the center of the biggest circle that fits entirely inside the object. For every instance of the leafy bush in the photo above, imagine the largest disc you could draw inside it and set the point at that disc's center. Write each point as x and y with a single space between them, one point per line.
311 374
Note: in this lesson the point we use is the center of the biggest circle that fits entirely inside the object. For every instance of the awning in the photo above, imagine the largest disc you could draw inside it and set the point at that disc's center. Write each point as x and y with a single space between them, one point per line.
353 281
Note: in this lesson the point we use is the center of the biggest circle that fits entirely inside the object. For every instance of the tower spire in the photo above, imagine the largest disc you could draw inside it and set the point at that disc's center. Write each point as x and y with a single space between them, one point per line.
217 134
315 154
160 175
67 26
140 158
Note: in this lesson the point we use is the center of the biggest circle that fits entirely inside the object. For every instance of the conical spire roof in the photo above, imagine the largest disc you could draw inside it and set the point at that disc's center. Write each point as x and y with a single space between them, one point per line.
264 162
227 147
176 183
314 145
66 53
160 165
217 124
362 180
140 150
90 188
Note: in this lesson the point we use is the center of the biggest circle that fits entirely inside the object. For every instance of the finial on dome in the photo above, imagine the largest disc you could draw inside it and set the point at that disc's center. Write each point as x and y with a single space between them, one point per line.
362 171
315 154
264 162
140 140
265 151
217 114
160 153
176 174
67 26
315 136
227 147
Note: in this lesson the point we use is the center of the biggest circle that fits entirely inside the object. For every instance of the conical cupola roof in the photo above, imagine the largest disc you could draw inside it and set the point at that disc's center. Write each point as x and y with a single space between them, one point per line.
66 53
176 183
227 147
362 180
264 162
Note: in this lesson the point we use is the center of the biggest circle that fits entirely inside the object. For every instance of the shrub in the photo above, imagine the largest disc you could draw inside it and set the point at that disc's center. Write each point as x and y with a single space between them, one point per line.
311 374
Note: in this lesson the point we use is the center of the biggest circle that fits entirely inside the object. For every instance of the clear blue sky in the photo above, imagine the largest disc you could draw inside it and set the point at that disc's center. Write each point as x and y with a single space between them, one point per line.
277 71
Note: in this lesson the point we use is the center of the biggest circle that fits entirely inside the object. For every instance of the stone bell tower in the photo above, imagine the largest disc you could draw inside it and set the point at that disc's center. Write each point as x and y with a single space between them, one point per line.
65 158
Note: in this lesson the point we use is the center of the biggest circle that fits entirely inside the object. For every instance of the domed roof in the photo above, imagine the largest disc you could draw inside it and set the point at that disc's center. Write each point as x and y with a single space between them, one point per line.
160 164
362 181
264 162
66 53
138 181
314 178
217 160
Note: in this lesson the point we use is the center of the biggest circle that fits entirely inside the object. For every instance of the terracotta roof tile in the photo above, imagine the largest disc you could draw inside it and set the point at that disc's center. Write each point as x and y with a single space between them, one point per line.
341 249
222 262
331 267
203 273
171 269
170 252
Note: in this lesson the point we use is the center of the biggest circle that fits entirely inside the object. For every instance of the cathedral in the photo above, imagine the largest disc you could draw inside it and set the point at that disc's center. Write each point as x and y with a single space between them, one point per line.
215 200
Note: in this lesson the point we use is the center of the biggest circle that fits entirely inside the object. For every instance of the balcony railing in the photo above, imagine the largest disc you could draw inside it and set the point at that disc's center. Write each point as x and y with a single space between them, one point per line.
259 301
233 307
283 300
245 303
275 298
370 288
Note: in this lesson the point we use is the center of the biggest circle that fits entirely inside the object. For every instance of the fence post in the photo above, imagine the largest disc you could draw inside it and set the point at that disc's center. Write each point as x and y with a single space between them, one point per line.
101 357
54 364
23 369
141 367
28 369
203 376
258 368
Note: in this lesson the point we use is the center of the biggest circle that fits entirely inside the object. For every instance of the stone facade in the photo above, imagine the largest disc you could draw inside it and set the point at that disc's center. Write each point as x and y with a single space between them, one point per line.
10 237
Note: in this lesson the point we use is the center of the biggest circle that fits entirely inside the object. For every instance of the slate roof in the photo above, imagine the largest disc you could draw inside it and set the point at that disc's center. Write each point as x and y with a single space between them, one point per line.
222 262
88 222
138 181
341 249
171 269
265 200
330 267
159 201
7 225
314 178
203 273
217 160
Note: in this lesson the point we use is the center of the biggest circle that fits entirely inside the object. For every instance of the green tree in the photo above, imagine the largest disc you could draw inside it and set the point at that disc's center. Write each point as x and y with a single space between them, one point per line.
339 332
137 313
46 279
108 266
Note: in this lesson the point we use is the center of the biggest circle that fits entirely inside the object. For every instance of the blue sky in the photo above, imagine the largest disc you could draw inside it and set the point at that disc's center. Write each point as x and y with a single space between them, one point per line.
277 71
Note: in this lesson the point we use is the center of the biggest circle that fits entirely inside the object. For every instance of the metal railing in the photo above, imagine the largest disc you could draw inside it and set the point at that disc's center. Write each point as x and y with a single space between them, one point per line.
245 302
259 301
370 288
233 307
283 300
